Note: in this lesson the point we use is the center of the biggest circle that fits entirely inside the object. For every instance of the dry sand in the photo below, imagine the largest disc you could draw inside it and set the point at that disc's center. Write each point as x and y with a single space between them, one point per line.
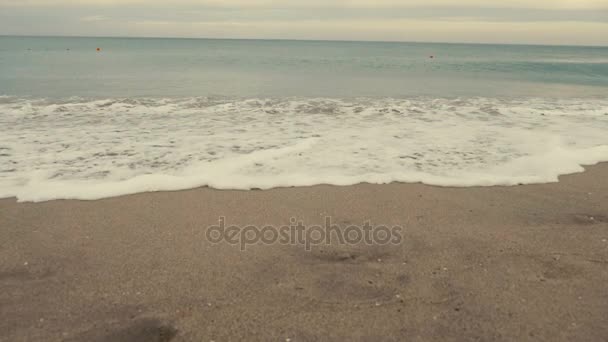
501 263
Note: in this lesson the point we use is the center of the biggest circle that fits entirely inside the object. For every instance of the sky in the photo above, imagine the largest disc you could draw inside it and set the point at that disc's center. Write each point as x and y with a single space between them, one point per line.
561 22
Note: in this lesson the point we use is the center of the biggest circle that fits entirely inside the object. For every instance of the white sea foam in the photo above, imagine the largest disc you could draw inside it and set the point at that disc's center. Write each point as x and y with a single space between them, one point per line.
91 149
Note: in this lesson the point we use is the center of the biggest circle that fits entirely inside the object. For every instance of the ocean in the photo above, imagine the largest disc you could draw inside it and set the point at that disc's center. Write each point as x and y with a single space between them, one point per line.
148 114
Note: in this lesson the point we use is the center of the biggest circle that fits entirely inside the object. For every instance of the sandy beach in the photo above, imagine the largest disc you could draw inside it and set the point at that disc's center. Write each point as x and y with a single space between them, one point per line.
498 263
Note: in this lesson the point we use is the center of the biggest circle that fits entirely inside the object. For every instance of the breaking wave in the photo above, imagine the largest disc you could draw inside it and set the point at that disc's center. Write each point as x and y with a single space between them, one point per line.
88 149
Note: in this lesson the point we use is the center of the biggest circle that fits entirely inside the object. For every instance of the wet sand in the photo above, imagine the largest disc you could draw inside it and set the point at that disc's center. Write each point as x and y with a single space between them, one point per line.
501 263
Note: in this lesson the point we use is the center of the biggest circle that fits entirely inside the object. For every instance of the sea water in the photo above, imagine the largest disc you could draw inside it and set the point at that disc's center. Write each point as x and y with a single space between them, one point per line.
166 114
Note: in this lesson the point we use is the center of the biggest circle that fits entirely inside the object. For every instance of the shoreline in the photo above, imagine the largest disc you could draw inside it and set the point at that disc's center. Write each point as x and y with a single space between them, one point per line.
584 167
523 262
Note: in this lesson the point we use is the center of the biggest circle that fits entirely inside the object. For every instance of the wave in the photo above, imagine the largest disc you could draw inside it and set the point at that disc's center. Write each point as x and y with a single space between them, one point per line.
88 149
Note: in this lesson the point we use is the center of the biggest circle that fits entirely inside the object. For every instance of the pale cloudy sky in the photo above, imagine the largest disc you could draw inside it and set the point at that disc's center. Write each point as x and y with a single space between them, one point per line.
580 22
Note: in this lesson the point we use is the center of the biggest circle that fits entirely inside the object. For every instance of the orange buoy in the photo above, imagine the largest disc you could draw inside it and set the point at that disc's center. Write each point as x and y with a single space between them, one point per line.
98 49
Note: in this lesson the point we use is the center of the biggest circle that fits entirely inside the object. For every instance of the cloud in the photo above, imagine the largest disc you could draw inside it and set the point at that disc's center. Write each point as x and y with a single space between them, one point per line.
508 21
547 4
93 18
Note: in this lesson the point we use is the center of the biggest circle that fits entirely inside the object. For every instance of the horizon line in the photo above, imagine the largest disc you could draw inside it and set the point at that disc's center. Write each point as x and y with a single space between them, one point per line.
303 40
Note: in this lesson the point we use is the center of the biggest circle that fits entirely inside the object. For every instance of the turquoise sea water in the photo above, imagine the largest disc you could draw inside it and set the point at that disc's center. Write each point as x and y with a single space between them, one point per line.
166 114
